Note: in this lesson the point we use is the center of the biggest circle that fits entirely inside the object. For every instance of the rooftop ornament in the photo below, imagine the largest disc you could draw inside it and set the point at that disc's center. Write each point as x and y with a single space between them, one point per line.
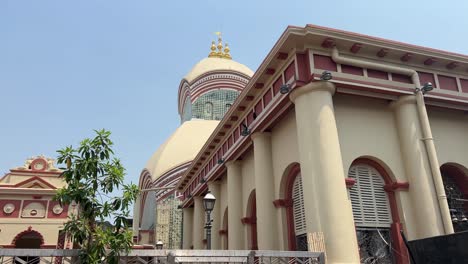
222 51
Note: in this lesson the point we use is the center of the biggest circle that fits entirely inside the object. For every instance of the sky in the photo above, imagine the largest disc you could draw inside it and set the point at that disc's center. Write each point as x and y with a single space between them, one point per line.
68 67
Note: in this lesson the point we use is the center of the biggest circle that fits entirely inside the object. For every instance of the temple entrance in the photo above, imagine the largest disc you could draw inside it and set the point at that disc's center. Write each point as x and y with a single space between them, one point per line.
28 239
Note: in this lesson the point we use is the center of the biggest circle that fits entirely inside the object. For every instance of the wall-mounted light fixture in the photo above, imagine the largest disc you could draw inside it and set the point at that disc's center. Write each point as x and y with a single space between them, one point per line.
245 130
326 76
427 87
285 88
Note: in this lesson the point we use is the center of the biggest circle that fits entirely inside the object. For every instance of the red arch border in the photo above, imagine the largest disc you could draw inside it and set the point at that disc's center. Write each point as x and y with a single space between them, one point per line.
28 231
294 170
401 253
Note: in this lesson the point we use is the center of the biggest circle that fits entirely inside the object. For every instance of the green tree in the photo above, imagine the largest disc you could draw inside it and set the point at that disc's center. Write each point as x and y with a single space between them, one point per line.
92 173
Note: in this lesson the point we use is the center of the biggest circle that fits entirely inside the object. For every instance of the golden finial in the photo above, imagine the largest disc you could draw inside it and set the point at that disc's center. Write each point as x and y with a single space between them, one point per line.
226 52
220 47
213 52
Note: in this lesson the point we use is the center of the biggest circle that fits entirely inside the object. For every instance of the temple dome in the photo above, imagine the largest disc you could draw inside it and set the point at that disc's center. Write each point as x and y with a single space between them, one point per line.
181 147
216 64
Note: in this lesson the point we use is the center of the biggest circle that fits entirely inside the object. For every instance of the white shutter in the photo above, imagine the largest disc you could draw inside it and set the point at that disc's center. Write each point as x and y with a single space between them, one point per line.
298 206
368 198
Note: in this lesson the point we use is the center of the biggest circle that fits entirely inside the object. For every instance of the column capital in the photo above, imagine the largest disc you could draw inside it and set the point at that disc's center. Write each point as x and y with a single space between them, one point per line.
402 100
213 183
260 134
312 87
233 163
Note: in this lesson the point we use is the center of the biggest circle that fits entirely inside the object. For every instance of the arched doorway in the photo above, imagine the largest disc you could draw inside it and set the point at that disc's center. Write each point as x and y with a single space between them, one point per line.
455 180
375 213
28 239
252 220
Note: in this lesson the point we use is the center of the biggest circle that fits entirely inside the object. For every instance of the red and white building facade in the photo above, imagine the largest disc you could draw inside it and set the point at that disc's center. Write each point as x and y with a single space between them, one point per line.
29 218
348 162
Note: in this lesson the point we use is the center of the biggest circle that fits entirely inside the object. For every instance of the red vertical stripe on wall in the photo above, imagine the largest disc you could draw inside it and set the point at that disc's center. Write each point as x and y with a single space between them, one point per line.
277 85
464 85
401 78
324 63
267 97
447 83
377 74
303 66
425 77
290 71
351 70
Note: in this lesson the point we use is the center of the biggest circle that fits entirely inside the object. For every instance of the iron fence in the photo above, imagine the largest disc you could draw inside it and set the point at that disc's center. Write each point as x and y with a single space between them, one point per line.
143 256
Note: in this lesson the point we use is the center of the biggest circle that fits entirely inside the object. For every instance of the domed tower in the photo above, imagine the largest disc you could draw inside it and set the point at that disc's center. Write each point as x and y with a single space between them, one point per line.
205 95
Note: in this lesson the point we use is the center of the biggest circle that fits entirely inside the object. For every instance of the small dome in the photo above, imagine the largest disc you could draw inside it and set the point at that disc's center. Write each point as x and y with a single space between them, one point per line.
181 147
216 64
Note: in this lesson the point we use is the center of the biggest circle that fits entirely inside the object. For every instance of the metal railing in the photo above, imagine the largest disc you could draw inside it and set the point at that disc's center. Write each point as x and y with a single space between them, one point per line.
143 256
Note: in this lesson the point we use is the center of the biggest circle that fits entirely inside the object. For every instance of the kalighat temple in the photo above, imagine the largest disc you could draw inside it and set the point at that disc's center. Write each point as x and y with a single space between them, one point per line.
338 142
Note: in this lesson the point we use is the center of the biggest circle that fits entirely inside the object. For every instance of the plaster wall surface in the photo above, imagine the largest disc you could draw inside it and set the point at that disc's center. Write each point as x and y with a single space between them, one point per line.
450 132
223 199
367 128
285 153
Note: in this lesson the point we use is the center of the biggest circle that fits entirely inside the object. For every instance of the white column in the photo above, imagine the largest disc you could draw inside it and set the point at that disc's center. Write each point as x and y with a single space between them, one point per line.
425 216
136 215
327 208
198 223
216 216
235 227
267 237
187 240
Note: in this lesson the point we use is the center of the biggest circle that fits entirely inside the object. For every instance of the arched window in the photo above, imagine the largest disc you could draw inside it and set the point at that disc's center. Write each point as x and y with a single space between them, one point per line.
299 214
295 212
456 189
372 214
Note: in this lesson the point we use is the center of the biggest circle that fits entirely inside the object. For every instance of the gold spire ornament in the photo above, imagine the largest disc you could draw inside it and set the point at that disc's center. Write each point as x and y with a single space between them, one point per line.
213 53
219 53
220 47
226 52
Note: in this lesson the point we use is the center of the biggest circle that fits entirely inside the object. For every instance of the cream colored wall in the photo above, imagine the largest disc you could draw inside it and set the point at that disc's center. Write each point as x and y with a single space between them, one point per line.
285 152
366 127
248 185
49 229
450 132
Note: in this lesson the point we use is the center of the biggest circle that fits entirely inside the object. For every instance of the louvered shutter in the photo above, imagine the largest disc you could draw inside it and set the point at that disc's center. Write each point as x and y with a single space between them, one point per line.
298 206
368 198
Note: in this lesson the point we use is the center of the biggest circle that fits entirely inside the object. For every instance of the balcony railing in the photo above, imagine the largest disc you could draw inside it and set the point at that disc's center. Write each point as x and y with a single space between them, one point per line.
142 256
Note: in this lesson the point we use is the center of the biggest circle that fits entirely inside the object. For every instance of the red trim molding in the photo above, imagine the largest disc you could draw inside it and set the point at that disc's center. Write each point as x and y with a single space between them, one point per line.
28 231
396 186
280 203
350 182
246 220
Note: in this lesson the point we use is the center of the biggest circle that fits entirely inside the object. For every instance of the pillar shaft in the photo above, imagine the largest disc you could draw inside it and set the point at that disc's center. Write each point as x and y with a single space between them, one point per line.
326 203
187 240
216 216
235 227
198 223
425 216
264 191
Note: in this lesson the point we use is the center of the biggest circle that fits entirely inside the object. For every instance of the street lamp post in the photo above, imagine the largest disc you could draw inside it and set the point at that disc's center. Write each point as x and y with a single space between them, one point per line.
208 202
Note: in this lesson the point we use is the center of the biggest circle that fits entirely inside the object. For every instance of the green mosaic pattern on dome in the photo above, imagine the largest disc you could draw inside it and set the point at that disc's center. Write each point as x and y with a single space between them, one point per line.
210 106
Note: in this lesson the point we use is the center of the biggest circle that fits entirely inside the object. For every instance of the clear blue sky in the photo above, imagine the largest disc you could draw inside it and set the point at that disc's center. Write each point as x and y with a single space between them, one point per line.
68 67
